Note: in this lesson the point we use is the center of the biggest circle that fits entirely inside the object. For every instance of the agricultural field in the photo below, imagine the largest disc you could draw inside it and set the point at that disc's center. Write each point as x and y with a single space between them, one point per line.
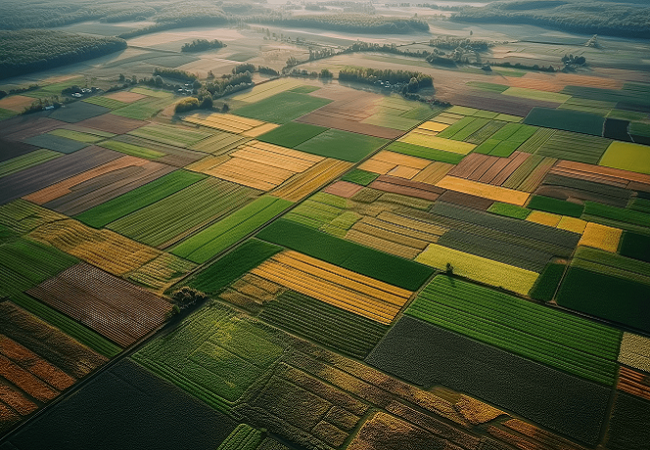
312 263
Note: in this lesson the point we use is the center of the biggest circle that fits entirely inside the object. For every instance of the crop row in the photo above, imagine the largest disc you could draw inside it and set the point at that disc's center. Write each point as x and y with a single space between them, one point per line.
177 136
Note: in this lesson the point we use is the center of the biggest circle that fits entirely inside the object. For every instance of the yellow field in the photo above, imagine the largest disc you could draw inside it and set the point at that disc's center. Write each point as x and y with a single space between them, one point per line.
479 269
266 90
572 224
425 139
225 122
258 165
635 351
544 218
258 131
601 237
102 248
339 287
395 164
627 156
433 126
303 184
433 173
220 143
495 193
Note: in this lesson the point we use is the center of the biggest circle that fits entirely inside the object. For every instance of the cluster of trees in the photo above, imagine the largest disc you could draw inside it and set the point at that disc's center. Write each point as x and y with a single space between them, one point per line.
412 80
201 45
133 12
28 51
324 74
176 74
227 84
581 16
357 23
180 19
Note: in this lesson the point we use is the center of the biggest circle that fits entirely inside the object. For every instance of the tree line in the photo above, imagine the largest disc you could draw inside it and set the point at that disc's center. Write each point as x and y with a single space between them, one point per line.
359 23
28 51
372 76
580 16
201 45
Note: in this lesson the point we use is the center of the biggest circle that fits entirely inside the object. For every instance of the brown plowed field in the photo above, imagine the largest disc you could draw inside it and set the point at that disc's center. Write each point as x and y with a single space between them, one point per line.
112 123
111 306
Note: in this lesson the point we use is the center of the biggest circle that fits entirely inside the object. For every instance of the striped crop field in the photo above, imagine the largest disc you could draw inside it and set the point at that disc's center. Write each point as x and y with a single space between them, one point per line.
22 217
303 184
573 344
601 237
395 164
323 323
168 220
161 273
244 437
534 94
479 269
464 128
258 165
77 135
132 150
150 193
224 122
226 232
171 135
574 147
544 218
420 151
146 108
506 140
360 177
102 248
26 161
220 143
611 264
635 351
336 286
488 191
266 90
106 102
318 210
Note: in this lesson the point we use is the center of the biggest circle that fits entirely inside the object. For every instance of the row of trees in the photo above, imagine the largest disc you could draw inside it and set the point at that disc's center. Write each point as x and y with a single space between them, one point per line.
28 51
581 16
414 80
357 23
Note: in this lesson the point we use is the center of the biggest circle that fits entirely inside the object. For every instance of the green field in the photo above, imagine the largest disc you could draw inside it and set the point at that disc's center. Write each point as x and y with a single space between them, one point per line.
323 323
282 108
7 114
77 136
221 235
575 345
357 258
567 120
56 143
341 145
144 109
572 147
635 246
622 216
607 297
132 150
30 159
165 134
103 214
611 264
360 177
106 102
508 210
304 89
291 134
492 87
506 140
547 283
425 152
192 207
627 156
233 265
244 437
555 206
214 355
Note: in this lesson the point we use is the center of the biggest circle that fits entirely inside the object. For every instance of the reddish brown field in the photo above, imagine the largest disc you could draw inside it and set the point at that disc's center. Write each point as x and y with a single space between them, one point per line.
112 124
343 189
470 201
16 103
23 127
633 382
125 96
402 186
488 169
109 305
497 102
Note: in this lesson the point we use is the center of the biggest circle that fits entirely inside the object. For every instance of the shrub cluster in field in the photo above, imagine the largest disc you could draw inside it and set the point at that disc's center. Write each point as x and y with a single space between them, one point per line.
200 45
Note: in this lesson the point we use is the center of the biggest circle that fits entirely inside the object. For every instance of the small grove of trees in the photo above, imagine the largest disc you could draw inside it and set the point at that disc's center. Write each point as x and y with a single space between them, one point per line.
373 76
201 45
